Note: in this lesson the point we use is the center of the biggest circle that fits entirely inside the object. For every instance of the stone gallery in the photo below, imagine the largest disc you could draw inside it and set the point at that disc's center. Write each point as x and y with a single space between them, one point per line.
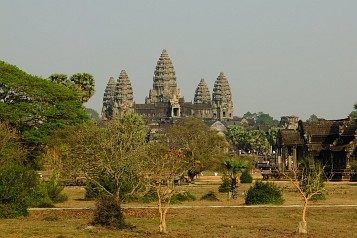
165 101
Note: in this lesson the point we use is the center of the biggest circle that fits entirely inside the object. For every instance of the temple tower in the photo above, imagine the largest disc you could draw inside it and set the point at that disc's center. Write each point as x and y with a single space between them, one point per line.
109 99
124 100
202 94
164 85
222 104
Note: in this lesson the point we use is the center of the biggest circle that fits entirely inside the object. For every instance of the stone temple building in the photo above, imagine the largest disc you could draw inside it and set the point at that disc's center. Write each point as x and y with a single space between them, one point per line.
165 101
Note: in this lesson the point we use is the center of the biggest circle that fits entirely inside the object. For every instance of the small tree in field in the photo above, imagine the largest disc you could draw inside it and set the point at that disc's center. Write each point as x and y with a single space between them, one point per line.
161 167
309 181
107 157
234 167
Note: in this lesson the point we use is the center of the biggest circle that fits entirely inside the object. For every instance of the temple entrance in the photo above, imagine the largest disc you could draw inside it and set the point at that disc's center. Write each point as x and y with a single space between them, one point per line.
175 112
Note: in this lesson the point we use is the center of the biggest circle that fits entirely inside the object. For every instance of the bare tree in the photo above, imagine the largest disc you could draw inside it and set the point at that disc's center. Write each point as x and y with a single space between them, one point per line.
308 179
161 167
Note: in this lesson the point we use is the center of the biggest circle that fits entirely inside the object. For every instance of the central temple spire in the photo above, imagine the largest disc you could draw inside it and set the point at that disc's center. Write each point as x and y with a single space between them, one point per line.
164 85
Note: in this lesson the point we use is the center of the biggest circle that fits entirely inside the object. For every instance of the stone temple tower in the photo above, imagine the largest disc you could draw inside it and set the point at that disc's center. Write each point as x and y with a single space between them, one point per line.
109 99
202 94
118 97
164 86
124 94
222 104
164 104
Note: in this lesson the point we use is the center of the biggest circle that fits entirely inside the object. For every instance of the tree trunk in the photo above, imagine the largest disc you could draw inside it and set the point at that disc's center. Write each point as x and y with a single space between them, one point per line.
162 226
302 228
234 188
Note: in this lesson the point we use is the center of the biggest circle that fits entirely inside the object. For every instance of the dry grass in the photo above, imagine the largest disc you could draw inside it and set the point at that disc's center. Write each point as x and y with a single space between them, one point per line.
199 222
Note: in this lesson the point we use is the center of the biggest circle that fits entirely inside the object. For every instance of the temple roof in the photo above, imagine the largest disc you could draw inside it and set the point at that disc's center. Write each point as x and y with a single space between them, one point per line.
164 81
221 90
288 137
124 90
321 127
202 94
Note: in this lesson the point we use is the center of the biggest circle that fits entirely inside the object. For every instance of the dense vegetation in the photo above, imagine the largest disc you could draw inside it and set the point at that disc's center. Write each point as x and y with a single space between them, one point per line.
31 110
36 107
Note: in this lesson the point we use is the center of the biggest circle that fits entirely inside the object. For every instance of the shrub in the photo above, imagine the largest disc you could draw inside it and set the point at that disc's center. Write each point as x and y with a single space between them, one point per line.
54 190
109 213
210 196
246 177
182 196
225 186
20 188
150 196
264 193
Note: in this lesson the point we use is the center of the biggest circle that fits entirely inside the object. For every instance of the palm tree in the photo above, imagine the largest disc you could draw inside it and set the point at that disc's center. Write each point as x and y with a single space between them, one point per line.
235 167
85 85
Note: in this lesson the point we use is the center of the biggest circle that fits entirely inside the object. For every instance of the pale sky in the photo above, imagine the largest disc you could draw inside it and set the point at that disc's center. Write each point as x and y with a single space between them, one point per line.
282 57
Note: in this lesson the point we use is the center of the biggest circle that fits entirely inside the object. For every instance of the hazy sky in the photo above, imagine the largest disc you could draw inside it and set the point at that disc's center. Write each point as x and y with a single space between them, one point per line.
282 57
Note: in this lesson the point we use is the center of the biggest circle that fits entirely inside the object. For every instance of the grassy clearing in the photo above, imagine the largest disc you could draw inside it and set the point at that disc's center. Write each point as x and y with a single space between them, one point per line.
198 222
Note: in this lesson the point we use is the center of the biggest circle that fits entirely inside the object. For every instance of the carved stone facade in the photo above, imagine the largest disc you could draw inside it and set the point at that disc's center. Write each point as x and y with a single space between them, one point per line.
118 97
332 142
165 101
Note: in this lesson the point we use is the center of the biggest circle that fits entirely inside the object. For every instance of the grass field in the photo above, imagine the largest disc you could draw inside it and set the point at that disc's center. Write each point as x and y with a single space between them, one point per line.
199 221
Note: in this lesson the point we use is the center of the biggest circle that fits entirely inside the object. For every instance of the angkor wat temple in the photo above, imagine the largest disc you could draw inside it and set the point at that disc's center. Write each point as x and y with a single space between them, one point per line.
165 100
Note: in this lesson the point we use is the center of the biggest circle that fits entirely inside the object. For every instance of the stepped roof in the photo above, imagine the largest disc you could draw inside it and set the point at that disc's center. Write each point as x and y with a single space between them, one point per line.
124 90
222 90
202 94
164 85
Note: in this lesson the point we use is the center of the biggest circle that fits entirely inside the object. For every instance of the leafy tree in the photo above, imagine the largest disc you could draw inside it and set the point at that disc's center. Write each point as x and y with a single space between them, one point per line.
258 141
261 118
161 166
11 149
265 119
238 137
255 140
201 145
59 79
353 114
85 85
102 154
93 114
308 179
234 167
250 115
82 83
272 137
36 107
313 118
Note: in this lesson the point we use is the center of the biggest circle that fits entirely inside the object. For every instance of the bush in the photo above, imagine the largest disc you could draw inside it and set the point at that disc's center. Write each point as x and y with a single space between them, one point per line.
246 177
225 186
150 196
182 196
54 190
210 196
109 213
20 188
264 193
